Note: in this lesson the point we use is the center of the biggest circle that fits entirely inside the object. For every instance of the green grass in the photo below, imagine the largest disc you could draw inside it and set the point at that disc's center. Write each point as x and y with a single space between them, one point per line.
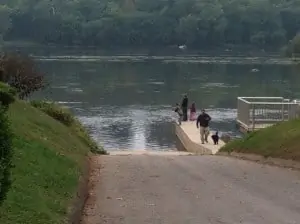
64 116
279 141
48 160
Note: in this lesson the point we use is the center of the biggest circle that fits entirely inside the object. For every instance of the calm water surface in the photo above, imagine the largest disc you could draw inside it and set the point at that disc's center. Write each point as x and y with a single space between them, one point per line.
128 105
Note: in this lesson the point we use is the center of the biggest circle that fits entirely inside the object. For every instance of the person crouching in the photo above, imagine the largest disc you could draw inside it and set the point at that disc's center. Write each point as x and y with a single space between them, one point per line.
179 112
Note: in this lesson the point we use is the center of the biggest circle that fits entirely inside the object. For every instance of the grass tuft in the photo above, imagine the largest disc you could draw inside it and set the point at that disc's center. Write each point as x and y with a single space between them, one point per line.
278 141
64 116
53 110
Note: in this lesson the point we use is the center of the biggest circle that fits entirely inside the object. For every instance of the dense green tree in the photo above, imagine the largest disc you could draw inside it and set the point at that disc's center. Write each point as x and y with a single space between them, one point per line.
5 22
293 48
196 23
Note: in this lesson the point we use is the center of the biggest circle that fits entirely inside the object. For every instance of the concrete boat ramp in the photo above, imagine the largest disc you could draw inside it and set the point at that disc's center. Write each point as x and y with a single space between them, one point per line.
149 152
168 187
189 136
143 189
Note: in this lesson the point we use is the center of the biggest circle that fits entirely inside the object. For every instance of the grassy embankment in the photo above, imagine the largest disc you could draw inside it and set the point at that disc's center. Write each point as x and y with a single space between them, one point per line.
48 159
279 141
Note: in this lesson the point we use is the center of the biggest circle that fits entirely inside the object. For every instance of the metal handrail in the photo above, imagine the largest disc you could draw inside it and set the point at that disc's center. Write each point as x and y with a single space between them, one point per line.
255 114
273 103
259 97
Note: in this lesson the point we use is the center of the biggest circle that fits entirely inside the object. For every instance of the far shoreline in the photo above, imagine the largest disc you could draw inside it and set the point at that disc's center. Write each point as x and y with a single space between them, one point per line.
171 59
168 54
227 49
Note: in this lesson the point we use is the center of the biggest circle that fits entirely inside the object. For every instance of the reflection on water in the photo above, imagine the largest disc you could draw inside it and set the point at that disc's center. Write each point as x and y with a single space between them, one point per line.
128 105
140 127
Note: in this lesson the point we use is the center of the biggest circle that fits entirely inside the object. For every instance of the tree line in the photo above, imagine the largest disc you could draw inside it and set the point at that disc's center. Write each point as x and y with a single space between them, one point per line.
197 23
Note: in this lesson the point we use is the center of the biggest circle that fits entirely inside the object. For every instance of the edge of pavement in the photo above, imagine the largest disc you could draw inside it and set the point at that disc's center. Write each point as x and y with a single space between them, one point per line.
82 194
263 160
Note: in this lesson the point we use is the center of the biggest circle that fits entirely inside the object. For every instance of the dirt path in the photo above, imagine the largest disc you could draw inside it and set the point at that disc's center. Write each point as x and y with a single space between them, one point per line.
141 189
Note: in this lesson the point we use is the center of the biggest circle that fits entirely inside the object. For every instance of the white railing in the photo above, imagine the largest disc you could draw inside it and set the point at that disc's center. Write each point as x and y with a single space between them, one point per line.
258 112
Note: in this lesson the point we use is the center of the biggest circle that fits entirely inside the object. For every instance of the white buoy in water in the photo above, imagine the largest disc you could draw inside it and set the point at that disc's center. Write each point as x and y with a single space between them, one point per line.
182 47
255 70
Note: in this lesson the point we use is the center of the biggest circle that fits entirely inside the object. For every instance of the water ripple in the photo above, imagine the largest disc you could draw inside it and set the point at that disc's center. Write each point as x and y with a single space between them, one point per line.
141 127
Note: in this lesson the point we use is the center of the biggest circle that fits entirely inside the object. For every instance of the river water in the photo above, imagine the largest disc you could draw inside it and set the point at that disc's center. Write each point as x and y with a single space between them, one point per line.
128 104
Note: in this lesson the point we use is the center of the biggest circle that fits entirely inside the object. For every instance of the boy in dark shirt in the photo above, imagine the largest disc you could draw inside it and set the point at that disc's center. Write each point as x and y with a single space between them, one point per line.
203 119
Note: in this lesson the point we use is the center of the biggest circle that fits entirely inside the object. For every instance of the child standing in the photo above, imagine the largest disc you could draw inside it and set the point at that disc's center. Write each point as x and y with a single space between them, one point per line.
193 116
179 112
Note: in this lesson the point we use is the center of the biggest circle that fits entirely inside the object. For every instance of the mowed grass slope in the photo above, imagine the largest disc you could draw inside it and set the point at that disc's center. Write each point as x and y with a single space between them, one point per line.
278 141
48 160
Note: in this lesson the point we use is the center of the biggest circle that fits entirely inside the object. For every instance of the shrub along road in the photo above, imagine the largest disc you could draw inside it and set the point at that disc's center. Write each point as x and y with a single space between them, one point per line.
191 189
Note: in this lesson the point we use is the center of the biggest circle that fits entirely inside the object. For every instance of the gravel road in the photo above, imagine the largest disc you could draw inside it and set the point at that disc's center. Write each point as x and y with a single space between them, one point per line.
170 189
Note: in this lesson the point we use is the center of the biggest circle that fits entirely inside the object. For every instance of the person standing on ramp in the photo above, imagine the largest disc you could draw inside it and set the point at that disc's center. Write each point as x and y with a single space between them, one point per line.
203 119
184 107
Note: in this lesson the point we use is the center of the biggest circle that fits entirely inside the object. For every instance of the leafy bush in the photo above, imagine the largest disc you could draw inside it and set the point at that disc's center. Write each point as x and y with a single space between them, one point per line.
293 48
66 117
61 114
20 72
5 154
7 88
6 99
7 95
